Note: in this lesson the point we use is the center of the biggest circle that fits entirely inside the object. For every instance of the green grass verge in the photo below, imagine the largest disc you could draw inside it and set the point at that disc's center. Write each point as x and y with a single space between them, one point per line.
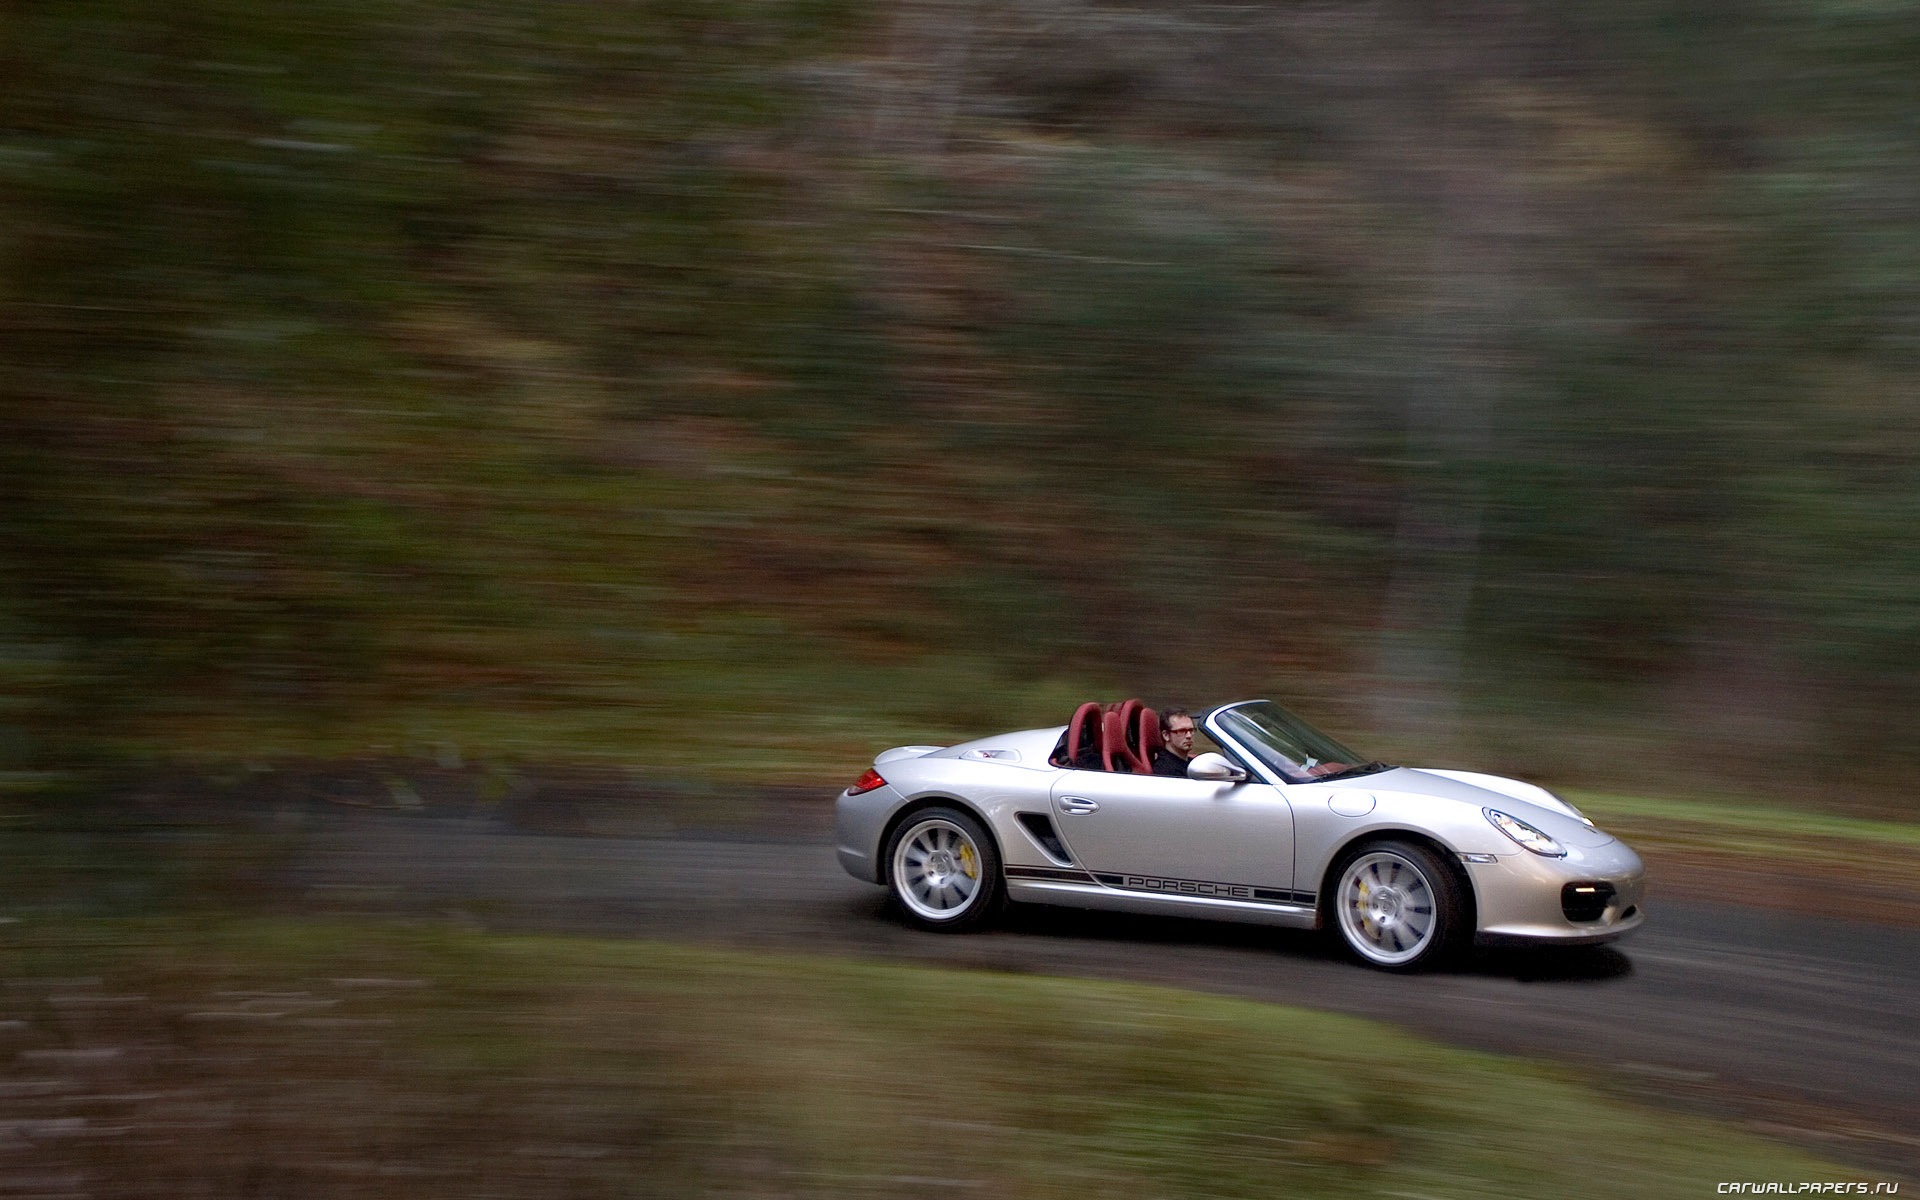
1815 840
1767 819
299 1058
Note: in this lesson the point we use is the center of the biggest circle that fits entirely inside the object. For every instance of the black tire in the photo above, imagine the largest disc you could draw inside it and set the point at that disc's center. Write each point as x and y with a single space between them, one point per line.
943 871
1396 906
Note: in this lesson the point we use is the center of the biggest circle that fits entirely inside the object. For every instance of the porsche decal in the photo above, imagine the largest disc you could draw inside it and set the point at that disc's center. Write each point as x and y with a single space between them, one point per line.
1204 887
1160 886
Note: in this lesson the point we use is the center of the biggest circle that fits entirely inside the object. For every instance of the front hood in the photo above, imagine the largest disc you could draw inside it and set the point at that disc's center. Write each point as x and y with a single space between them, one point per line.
1535 805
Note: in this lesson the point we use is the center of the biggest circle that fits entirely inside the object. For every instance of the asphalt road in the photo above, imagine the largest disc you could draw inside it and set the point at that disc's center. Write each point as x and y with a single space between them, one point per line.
1801 1027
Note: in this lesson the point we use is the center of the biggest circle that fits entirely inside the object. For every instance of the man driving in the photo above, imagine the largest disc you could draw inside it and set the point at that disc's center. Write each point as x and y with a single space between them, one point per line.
1176 728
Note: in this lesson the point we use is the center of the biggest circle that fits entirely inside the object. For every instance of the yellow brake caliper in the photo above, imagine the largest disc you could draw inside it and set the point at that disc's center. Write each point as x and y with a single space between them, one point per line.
1366 910
967 862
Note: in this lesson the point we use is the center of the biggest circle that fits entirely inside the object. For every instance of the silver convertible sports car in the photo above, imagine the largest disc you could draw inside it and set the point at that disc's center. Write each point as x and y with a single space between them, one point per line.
1283 826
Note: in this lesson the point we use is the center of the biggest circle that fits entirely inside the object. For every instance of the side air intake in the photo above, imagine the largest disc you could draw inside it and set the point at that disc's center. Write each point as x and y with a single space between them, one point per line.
1039 827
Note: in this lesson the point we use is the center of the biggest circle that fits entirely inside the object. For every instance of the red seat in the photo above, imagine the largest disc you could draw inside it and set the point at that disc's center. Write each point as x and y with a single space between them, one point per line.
1111 737
1148 738
1129 710
1083 734
1113 743
1137 760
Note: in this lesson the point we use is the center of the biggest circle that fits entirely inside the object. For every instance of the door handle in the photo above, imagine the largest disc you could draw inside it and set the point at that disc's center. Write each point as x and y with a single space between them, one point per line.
1077 804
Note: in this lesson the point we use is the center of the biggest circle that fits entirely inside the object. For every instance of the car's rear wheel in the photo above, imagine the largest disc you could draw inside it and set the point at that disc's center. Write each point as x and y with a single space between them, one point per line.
1397 906
944 870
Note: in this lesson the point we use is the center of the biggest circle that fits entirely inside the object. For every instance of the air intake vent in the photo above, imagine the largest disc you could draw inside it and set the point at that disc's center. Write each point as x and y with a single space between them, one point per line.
1039 827
1585 903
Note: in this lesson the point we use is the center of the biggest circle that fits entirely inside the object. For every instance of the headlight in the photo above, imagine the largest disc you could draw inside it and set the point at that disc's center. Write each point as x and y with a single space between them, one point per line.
1525 834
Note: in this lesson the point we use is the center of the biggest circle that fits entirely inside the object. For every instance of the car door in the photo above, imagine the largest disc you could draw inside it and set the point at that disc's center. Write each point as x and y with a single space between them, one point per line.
1178 836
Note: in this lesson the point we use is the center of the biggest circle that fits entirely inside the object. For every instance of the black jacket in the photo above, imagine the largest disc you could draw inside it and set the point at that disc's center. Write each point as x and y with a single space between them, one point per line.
1166 762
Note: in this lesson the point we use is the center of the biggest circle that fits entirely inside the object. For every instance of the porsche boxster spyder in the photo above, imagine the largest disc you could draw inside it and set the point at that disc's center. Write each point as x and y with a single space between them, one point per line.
1281 825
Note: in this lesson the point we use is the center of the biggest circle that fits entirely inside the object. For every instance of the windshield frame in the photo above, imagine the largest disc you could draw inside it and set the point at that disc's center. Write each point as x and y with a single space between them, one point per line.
1280 746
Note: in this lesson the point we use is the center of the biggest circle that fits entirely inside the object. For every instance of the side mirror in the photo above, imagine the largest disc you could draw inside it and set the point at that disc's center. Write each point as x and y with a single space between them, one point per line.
1214 768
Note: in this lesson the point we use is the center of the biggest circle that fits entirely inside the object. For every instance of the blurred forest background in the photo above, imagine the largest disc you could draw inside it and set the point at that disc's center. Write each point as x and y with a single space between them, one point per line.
739 387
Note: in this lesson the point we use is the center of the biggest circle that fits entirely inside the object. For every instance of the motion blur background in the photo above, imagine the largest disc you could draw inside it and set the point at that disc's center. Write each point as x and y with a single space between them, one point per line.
626 417
737 388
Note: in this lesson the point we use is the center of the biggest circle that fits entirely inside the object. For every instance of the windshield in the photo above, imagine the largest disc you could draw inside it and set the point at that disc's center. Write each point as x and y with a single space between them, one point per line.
1288 746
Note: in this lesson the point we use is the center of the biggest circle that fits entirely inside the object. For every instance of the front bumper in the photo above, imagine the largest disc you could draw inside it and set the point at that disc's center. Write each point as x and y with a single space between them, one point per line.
1519 895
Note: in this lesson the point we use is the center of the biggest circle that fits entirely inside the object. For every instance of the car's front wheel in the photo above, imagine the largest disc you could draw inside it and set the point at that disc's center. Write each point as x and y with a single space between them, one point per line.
944 870
1397 906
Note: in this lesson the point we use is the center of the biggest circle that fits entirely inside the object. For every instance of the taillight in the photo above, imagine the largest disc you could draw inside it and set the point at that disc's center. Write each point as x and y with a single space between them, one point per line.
866 783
